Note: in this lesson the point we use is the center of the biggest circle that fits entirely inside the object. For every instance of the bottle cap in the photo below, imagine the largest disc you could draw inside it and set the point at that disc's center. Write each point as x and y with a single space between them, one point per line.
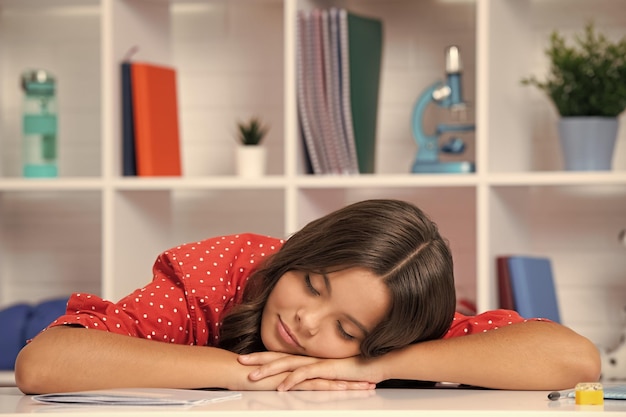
38 81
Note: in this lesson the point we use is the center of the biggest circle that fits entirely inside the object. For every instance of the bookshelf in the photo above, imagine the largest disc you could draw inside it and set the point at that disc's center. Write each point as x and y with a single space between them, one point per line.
93 230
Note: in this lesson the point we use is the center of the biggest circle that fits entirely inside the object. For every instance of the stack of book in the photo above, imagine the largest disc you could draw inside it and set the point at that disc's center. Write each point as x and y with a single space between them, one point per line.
338 76
150 131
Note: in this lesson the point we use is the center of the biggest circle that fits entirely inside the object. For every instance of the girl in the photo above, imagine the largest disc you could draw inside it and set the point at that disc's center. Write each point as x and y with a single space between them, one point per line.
362 295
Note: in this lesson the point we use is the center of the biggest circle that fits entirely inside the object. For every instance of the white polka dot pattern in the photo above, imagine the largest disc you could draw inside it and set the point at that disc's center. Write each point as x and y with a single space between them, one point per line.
193 285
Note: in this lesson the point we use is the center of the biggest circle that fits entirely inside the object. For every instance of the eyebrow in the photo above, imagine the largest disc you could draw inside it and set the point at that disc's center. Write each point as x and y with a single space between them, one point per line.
348 316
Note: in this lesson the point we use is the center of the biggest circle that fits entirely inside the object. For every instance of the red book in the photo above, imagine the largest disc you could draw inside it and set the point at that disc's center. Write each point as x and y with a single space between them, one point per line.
155 114
505 292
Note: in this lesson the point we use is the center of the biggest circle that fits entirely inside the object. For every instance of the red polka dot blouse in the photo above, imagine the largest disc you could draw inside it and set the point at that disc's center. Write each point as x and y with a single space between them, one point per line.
193 286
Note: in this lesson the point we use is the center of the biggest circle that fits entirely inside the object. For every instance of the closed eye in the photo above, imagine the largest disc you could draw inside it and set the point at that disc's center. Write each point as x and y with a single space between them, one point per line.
343 333
309 285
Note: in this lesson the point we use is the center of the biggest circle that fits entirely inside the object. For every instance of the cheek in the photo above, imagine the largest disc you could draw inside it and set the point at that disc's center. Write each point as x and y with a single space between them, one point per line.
331 346
282 291
276 301
265 332
274 306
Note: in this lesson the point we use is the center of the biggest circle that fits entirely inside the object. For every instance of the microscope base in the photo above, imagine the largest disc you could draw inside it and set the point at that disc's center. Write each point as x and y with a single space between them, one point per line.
460 167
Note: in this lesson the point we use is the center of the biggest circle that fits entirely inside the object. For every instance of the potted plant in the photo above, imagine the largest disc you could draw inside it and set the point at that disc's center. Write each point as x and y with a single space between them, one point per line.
251 155
587 84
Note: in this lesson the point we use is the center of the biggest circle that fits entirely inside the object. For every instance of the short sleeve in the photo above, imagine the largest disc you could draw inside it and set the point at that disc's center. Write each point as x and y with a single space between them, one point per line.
489 320
193 286
158 311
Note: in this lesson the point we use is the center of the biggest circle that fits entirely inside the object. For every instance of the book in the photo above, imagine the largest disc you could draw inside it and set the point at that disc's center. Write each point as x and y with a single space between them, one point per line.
139 397
317 93
365 40
155 119
345 83
505 293
533 289
332 133
129 164
305 111
346 146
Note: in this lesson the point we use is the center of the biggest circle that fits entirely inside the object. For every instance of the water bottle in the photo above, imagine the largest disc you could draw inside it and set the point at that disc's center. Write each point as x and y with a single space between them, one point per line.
39 124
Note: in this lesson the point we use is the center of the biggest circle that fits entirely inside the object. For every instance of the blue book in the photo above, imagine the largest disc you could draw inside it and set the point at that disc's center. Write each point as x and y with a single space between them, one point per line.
532 284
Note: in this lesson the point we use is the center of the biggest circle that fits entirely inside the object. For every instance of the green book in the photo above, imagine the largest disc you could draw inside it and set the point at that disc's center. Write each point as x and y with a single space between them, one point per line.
365 41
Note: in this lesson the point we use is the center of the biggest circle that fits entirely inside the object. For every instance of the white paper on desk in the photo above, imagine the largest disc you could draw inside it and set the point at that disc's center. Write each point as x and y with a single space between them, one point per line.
139 396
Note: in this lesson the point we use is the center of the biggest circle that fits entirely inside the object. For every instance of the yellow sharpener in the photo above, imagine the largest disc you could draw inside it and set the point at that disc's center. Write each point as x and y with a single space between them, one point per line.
589 393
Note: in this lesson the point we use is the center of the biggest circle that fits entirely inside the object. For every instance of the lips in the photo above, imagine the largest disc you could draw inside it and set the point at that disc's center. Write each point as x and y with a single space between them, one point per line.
285 334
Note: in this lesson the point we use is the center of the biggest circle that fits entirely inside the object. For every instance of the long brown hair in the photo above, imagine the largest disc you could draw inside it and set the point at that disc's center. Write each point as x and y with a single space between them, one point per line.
395 240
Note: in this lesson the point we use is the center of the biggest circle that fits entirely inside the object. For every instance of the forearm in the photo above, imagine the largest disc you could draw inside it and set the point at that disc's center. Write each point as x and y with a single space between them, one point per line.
69 359
530 355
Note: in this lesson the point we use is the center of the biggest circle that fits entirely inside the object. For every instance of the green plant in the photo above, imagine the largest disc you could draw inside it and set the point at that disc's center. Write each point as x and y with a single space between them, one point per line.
251 132
587 79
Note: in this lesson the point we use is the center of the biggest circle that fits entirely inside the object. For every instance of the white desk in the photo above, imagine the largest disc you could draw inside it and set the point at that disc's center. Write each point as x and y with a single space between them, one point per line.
382 402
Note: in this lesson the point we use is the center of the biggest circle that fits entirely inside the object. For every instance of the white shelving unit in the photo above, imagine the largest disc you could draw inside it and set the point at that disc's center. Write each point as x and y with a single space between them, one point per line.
94 230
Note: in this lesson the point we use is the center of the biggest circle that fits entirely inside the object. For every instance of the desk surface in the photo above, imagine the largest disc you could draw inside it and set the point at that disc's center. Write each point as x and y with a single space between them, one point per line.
387 402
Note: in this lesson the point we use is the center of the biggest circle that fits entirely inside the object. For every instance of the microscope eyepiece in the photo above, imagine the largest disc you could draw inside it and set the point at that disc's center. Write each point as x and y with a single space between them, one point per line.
453 60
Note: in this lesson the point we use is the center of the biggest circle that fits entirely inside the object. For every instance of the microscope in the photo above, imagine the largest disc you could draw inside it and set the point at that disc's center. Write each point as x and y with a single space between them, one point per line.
447 95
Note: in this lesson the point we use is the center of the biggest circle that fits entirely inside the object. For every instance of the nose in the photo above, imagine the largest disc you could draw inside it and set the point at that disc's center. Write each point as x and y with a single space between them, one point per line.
309 320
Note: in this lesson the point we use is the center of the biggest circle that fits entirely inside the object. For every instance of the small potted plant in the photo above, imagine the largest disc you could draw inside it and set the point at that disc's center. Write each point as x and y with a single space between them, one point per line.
587 84
251 155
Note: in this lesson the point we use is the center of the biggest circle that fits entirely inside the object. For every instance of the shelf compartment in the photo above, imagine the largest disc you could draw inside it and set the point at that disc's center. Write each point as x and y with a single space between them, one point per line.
229 57
43 258
520 123
147 222
415 36
62 37
577 227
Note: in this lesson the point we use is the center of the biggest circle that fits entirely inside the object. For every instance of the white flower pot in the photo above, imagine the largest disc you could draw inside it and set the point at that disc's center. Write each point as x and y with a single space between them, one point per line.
251 160
588 143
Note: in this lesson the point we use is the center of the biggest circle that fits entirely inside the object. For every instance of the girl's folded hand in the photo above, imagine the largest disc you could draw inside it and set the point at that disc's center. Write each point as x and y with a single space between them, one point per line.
342 374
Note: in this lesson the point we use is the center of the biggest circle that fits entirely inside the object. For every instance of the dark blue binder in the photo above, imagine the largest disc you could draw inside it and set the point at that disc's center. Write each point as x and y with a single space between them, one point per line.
129 162
532 284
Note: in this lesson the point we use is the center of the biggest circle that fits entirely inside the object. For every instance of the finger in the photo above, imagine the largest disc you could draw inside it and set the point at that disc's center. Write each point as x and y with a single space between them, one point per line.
285 364
267 384
259 358
319 384
322 371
